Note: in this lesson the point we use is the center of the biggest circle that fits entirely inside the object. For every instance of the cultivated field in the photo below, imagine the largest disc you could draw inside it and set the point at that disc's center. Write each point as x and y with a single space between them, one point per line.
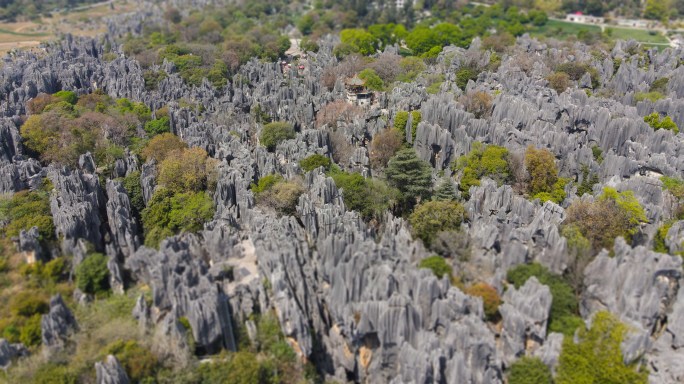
83 21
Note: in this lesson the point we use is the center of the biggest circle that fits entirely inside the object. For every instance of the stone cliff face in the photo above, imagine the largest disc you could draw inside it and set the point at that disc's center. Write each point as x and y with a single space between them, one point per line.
349 297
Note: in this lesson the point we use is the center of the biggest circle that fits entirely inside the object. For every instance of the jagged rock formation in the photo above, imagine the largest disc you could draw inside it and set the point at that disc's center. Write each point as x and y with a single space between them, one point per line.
57 325
111 372
349 296
9 352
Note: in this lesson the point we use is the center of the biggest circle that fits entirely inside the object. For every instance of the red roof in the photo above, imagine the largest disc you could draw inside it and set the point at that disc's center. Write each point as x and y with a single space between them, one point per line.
578 13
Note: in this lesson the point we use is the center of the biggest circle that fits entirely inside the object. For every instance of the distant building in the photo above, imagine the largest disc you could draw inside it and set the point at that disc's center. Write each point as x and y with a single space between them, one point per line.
635 23
579 17
357 93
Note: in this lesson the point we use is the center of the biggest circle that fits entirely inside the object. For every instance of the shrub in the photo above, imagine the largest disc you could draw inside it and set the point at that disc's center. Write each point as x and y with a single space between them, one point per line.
660 236
25 210
559 81
563 316
613 214
158 126
30 333
383 146
529 370
131 184
282 196
168 214
92 275
66 96
28 303
674 185
274 133
410 175
315 161
490 299
650 96
52 373
137 360
478 103
265 183
541 165
372 80
415 120
160 146
400 120
370 197
431 217
189 170
596 357
37 104
490 161
657 123
660 85
464 75
438 266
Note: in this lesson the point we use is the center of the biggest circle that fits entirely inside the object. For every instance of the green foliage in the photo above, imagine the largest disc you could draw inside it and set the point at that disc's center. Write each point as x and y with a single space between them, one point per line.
26 209
657 123
187 170
410 175
359 40
52 373
131 184
274 133
438 266
650 96
490 161
445 191
28 303
588 182
529 370
660 236
314 161
373 81
431 217
370 197
157 126
660 85
563 316
67 96
30 334
613 214
557 194
168 214
597 152
278 194
464 75
674 185
137 360
400 121
265 183
541 165
597 357
92 275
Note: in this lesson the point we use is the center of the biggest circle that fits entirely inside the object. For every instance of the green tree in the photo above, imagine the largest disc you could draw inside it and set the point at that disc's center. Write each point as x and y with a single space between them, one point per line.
92 275
25 210
410 175
563 316
445 190
657 123
157 126
373 81
421 40
360 40
167 214
274 133
438 266
431 217
596 357
481 161
657 9
314 161
464 75
529 370
370 197
490 299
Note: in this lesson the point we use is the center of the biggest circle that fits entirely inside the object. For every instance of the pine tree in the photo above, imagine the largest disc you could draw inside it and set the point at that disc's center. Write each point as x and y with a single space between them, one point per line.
445 191
410 175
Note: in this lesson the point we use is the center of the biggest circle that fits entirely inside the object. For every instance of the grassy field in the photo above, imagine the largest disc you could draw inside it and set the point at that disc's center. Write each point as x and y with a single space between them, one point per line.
639 35
562 29
84 22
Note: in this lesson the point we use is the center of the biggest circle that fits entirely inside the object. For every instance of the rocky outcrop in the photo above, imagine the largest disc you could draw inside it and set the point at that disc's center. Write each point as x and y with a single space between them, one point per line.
525 313
110 372
182 287
9 352
57 325
76 204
